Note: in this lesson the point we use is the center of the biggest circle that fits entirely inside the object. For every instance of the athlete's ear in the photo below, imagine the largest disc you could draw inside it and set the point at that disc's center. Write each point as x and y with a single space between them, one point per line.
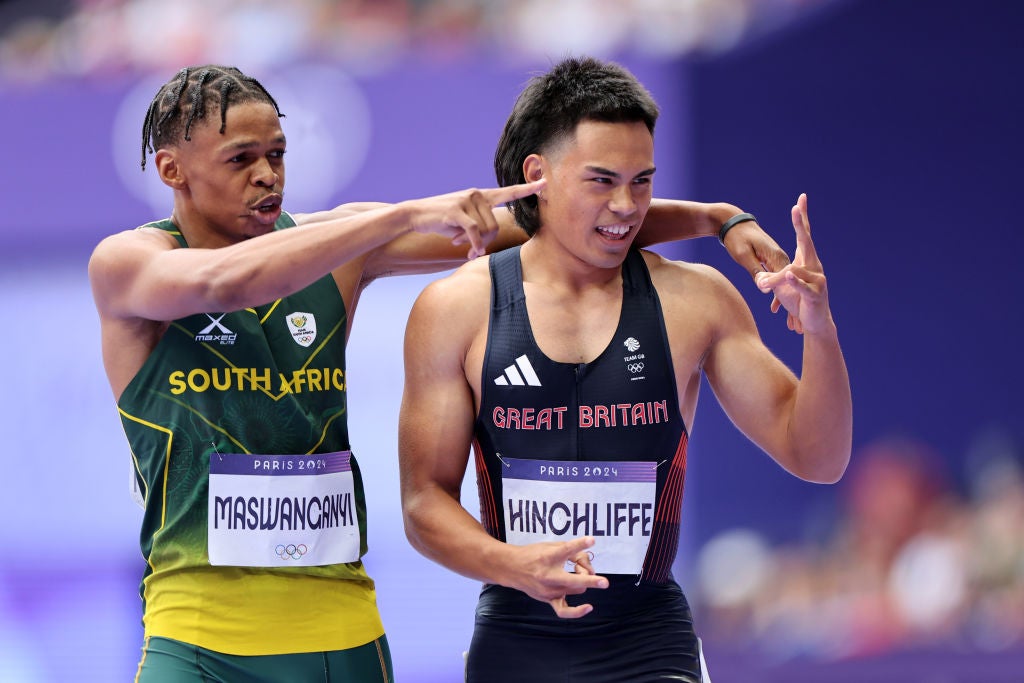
169 169
534 167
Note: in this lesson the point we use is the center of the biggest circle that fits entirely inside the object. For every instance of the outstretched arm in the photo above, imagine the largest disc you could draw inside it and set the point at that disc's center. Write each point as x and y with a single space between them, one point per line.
805 423
435 431
138 274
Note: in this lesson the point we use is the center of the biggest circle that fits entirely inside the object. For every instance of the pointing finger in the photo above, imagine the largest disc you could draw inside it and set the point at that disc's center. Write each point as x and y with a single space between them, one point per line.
576 546
502 195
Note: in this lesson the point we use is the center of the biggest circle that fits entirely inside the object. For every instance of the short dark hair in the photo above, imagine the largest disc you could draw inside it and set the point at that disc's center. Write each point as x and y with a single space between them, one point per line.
182 100
551 106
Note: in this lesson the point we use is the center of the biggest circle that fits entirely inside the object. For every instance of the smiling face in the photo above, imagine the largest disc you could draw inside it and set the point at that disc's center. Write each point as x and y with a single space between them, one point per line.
598 190
228 186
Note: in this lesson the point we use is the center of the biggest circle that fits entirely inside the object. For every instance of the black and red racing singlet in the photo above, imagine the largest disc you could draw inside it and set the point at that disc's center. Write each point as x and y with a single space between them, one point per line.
607 426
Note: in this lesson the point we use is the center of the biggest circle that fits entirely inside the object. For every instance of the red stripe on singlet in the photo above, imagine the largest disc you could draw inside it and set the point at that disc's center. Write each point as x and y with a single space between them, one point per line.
488 512
665 537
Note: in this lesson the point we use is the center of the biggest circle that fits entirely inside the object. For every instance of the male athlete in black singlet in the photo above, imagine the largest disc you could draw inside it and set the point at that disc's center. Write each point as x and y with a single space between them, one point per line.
570 366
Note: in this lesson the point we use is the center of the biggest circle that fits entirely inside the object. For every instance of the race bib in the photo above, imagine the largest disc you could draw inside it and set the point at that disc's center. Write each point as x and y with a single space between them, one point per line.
557 500
282 510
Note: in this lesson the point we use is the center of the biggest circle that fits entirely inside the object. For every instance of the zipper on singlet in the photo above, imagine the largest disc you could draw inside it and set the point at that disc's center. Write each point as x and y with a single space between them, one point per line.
578 371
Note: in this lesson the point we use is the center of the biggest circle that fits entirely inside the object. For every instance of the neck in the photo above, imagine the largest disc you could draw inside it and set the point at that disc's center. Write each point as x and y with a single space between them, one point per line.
546 262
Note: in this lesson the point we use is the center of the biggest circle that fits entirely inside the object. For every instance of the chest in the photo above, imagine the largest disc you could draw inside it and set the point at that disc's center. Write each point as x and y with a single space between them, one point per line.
573 328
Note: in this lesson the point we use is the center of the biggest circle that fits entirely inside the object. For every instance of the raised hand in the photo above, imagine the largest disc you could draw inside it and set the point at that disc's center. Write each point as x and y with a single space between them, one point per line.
466 215
800 287
754 249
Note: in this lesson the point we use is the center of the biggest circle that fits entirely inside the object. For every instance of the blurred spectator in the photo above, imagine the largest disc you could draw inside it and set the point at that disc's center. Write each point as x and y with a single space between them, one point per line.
910 564
43 39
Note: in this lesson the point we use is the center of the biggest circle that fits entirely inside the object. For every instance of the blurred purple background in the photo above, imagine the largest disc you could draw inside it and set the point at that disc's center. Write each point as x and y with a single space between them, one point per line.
900 119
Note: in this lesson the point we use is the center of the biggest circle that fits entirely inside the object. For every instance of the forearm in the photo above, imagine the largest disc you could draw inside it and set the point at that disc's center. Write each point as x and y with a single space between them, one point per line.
271 266
821 423
441 529
675 219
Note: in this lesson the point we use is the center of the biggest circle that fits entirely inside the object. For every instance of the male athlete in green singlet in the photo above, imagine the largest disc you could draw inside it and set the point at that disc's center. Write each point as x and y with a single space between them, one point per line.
223 335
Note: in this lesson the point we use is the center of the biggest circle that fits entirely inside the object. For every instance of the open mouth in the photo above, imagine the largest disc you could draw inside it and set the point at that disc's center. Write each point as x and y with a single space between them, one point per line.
617 231
269 204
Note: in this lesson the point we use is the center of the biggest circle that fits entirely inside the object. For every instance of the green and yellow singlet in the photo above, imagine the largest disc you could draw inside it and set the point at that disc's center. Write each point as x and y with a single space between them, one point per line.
254 403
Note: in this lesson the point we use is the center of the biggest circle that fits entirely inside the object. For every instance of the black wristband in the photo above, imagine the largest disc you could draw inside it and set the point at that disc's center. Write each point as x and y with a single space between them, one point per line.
732 223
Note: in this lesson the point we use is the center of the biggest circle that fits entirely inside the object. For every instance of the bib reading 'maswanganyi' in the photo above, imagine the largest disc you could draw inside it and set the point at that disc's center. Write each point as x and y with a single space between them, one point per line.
282 510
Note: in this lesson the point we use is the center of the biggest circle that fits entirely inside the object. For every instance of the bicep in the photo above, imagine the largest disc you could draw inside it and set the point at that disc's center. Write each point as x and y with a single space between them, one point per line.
436 421
341 211
755 389
135 275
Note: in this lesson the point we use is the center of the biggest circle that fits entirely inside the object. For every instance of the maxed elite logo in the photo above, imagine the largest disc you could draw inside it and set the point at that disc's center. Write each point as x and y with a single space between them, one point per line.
216 332
302 327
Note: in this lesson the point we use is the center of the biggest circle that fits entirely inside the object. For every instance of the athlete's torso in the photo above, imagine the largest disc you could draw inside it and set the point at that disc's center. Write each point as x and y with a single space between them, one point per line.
268 380
615 420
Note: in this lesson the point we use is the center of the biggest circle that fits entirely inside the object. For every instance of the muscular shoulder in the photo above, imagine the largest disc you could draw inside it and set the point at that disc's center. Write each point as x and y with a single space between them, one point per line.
119 255
694 290
454 308
465 290
677 277
139 238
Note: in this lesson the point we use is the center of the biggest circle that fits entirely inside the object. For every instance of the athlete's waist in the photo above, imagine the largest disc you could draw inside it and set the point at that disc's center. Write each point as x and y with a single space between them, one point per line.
264 611
625 596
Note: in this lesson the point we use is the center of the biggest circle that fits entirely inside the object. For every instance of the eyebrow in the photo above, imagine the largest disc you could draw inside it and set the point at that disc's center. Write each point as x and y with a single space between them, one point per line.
241 146
604 171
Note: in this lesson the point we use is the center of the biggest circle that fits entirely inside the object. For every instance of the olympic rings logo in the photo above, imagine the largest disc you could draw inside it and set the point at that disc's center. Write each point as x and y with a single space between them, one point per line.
291 551
635 367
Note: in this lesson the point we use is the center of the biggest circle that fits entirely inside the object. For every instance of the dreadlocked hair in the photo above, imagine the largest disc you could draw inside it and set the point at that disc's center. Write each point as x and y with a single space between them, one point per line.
183 100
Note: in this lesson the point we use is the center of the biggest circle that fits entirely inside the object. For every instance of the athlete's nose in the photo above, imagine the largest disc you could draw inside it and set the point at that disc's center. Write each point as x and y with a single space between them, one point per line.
264 174
622 202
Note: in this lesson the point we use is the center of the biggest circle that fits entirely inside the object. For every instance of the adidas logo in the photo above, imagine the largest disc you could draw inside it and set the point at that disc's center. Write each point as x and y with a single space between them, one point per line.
512 376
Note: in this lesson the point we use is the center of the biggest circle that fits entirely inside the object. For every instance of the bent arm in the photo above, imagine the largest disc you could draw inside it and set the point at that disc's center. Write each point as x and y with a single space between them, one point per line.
804 423
670 220
434 436
435 433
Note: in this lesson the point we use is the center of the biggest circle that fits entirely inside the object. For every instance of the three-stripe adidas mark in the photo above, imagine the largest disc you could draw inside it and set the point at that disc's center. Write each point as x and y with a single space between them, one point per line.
513 377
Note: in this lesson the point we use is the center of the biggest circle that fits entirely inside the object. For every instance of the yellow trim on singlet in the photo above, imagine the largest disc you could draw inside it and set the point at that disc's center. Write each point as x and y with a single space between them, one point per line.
212 425
323 434
138 470
319 348
269 311
167 463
